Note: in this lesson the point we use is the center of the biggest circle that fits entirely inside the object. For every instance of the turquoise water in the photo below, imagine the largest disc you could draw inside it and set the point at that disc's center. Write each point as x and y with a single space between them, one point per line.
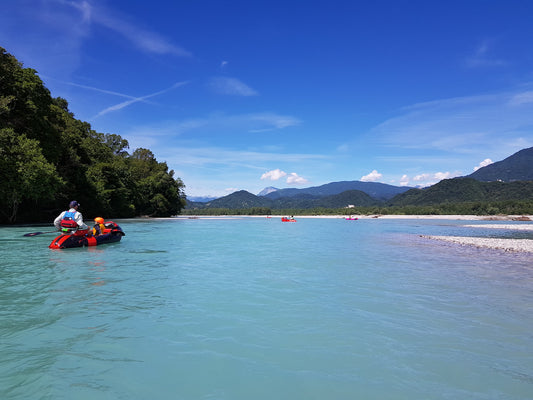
254 308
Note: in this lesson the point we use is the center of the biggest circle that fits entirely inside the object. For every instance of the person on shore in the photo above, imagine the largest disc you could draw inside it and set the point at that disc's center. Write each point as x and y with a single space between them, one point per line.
99 226
71 220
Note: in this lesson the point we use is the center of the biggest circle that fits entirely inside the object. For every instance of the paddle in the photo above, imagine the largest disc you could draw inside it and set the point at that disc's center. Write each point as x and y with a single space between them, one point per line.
38 233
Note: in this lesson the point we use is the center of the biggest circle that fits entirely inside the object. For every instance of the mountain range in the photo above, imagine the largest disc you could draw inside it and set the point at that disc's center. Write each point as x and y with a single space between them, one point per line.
509 179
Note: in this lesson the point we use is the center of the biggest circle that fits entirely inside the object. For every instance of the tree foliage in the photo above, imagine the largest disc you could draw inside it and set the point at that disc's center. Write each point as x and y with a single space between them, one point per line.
48 157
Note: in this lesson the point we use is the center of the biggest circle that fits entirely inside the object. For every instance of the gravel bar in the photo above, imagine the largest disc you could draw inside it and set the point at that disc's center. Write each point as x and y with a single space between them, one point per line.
524 245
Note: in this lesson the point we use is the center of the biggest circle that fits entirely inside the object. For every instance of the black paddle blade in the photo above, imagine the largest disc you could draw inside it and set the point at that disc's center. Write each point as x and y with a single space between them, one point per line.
37 233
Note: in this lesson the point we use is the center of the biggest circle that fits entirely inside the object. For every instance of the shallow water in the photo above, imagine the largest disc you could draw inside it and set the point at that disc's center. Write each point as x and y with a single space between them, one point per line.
253 308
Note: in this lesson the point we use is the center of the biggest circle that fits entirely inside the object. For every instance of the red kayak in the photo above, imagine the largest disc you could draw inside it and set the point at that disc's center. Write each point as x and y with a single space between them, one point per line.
112 233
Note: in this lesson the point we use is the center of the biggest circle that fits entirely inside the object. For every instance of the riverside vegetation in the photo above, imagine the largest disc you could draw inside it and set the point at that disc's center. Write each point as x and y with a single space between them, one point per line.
48 157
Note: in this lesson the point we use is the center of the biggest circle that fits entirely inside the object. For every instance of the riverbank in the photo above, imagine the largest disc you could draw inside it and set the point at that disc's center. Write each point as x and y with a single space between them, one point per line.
378 216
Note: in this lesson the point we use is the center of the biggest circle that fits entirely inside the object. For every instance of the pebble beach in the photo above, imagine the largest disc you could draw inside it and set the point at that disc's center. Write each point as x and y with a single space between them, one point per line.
522 245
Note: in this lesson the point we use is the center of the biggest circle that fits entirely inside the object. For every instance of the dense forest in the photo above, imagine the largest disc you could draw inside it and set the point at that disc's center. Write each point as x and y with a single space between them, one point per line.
48 157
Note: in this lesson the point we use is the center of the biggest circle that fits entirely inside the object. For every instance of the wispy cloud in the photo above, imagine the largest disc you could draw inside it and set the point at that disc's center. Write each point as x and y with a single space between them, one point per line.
231 86
521 98
219 160
482 57
498 123
133 100
99 90
220 122
144 39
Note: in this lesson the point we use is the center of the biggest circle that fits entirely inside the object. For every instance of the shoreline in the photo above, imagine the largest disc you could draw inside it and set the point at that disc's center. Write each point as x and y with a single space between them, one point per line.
514 218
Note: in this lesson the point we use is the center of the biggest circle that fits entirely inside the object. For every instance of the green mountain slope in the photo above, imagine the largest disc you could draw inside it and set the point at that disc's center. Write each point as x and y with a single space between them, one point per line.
518 167
460 190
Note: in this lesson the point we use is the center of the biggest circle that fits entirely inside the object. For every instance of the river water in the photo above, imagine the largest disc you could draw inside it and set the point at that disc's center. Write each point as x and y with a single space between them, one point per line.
253 308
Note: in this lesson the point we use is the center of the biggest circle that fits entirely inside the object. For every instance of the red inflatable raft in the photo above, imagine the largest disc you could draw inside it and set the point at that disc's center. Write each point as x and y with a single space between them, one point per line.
112 233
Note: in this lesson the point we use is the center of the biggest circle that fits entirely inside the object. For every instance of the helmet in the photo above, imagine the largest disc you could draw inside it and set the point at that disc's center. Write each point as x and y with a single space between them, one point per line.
99 220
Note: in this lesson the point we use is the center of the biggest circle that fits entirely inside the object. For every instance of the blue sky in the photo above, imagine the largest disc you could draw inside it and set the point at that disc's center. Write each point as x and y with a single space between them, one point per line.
247 94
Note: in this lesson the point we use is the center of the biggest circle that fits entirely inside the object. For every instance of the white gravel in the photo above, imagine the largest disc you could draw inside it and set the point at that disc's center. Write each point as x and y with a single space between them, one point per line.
525 245
520 227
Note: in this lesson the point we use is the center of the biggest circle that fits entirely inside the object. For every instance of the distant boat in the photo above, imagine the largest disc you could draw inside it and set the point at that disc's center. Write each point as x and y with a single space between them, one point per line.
351 219
285 219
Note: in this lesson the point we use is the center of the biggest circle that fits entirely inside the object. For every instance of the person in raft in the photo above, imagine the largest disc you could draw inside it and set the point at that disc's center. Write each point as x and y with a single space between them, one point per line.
99 226
71 221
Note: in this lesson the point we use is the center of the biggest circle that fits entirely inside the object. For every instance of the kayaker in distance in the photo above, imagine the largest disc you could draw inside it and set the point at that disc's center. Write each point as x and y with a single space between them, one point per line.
71 220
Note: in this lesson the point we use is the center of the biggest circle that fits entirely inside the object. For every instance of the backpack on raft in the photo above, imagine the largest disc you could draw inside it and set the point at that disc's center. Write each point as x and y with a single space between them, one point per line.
67 223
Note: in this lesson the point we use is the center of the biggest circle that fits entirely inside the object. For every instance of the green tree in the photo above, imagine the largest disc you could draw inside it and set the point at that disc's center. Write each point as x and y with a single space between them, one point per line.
156 192
24 172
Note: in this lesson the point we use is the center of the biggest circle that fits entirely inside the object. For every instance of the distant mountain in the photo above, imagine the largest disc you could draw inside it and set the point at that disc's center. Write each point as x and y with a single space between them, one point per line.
267 190
243 199
380 191
240 199
200 199
460 190
344 199
507 180
518 167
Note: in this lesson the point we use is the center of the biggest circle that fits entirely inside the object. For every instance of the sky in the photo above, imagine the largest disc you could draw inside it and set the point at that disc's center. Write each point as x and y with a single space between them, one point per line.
243 95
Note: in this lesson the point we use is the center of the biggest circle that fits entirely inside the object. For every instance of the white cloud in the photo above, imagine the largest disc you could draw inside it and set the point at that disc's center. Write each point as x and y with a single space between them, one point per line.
427 179
371 177
404 181
484 163
293 178
274 175
443 175
231 86
422 177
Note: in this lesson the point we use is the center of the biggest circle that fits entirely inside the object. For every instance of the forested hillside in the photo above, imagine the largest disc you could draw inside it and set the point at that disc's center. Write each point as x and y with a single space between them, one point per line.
517 167
48 157
461 190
